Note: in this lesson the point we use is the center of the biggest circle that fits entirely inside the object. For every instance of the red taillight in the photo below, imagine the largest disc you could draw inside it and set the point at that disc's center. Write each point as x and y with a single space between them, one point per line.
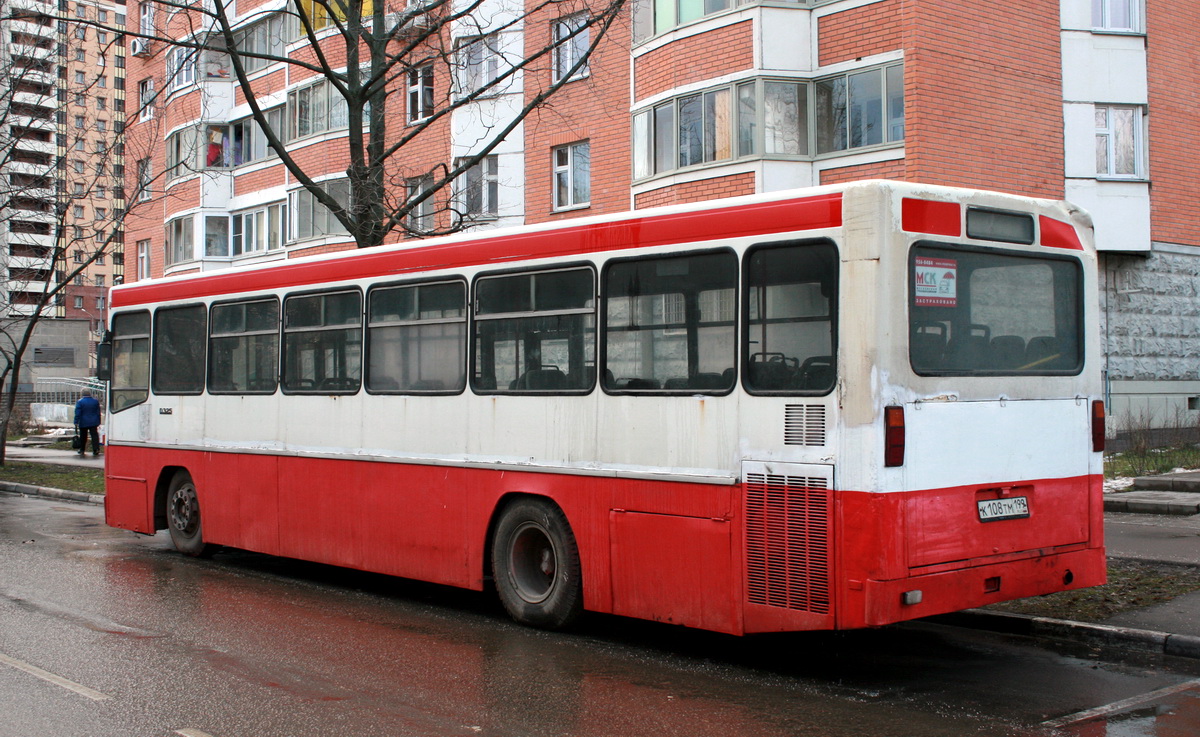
1097 426
893 436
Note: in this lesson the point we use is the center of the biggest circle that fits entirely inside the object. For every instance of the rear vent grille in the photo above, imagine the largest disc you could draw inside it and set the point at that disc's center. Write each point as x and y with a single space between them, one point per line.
804 424
787 541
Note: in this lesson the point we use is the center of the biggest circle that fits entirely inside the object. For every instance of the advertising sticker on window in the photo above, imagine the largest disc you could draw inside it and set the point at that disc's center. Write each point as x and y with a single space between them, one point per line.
936 282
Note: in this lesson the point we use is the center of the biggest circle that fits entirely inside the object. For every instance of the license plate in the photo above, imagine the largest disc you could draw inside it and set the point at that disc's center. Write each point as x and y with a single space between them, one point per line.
1013 507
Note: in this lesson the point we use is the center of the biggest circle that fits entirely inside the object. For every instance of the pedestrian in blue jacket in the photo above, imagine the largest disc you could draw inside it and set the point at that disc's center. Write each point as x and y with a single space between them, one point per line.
87 420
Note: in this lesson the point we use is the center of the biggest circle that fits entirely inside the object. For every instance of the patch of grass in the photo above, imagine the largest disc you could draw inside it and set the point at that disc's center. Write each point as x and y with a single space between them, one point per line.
71 478
1152 462
1131 585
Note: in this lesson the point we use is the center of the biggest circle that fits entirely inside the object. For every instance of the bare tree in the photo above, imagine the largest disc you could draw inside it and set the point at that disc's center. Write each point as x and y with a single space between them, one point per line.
376 61
62 192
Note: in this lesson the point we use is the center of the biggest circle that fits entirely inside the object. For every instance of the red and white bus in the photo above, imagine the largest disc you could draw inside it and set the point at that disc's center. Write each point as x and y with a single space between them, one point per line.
828 408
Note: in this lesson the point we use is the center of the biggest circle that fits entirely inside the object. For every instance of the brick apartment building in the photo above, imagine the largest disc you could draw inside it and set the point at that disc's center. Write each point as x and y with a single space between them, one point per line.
685 100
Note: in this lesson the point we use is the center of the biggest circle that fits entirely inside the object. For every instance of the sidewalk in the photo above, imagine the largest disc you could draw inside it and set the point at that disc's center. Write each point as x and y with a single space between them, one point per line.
36 454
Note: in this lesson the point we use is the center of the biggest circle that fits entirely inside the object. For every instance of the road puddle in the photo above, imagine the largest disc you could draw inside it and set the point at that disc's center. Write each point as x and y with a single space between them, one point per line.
1167 713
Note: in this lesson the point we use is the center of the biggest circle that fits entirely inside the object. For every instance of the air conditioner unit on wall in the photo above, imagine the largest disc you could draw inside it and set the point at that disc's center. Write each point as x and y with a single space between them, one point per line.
139 47
401 26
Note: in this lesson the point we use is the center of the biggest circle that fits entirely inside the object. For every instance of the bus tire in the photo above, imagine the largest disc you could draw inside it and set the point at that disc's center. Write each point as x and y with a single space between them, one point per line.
183 517
535 564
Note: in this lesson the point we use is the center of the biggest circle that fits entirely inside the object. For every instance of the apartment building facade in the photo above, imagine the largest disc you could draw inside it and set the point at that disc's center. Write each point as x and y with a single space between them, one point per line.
63 178
686 100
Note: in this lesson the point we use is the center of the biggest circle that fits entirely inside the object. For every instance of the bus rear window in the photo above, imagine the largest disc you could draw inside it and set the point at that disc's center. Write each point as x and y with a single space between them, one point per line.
992 313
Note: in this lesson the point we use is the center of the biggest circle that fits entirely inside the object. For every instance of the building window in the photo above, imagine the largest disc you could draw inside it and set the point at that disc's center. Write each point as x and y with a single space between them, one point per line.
773 119
420 218
143 259
315 109
420 93
181 152
79 121
145 179
181 68
80 79
146 99
216 236
258 230
101 103
1117 15
100 280
249 140
313 219
477 190
572 176
265 38
80 99
571 46
81 33
146 18
1119 147
179 246
79 303
652 17
476 65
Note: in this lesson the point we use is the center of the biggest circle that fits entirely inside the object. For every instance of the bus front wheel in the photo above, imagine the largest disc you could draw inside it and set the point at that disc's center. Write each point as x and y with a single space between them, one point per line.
535 564
183 516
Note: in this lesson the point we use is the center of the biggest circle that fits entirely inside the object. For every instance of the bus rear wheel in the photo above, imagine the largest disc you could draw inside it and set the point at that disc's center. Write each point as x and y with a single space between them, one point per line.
535 564
183 517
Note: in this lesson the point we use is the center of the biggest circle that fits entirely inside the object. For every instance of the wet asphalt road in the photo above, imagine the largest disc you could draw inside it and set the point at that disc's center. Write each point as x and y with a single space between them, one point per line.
103 632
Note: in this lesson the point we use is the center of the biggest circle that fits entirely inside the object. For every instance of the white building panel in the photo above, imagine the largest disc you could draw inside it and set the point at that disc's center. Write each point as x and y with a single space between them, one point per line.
1120 210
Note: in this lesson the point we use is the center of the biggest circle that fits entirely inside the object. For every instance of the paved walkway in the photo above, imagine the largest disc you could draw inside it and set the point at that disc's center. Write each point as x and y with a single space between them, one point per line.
37 454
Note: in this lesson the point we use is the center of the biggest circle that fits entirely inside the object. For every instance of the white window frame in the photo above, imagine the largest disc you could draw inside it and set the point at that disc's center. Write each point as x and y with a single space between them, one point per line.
565 161
145 179
1108 135
569 50
477 190
146 18
477 65
327 110
1107 16
143 259
180 246
420 93
146 99
259 230
420 219
310 219
181 65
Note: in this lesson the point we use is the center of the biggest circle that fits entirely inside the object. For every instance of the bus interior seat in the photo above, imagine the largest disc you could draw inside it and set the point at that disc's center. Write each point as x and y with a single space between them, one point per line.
1044 352
383 384
637 383
676 383
543 379
708 381
427 385
818 372
774 371
1007 351
969 350
928 344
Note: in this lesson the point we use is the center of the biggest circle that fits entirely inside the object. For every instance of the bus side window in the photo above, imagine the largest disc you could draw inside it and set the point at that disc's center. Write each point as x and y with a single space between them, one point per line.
417 338
180 340
790 308
244 347
130 360
535 332
670 324
322 343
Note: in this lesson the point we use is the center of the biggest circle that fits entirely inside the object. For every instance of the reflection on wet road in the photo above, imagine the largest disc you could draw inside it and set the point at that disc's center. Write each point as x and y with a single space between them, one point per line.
245 645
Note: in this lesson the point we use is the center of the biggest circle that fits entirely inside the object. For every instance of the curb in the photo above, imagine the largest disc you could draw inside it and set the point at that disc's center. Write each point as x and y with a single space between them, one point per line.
52 493
1145 506
1126 638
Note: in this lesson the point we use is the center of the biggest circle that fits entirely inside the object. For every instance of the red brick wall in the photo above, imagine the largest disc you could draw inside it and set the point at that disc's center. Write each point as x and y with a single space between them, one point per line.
879 170
593 109
704 189
1174 79
872 29
694 59
983 95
